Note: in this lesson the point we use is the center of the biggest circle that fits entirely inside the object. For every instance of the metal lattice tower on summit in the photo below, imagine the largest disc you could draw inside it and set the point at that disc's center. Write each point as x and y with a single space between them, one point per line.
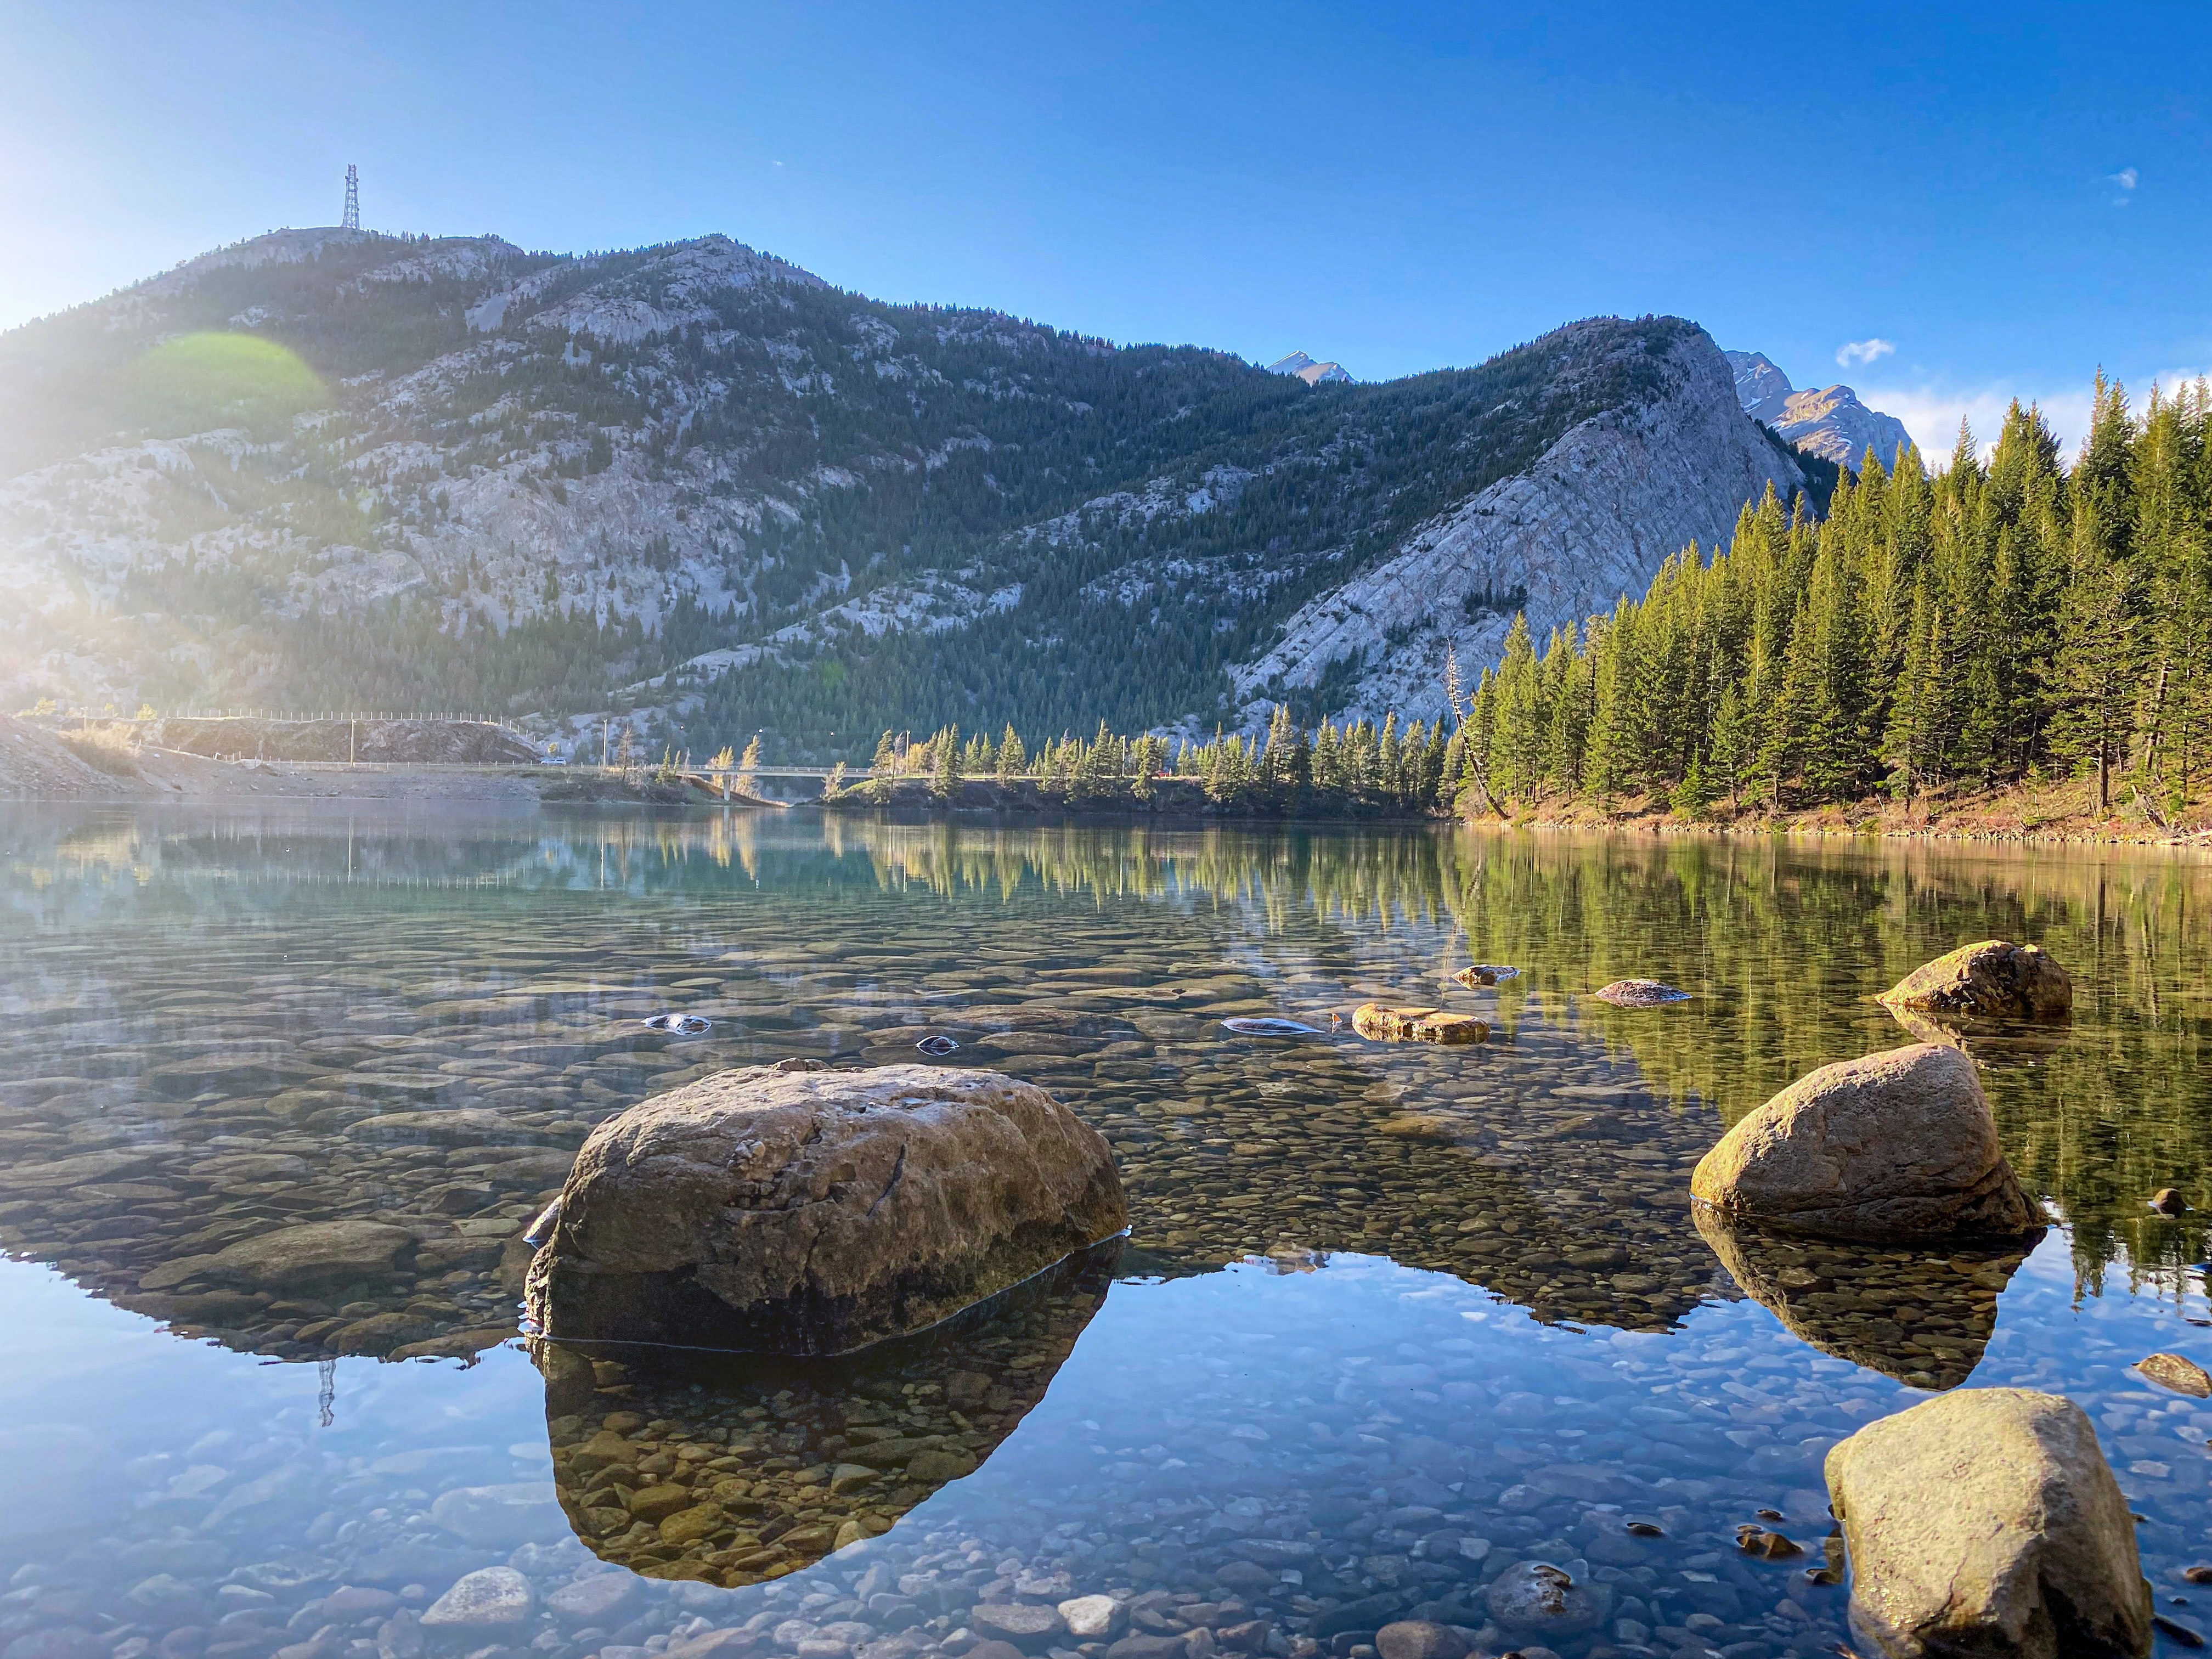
352 220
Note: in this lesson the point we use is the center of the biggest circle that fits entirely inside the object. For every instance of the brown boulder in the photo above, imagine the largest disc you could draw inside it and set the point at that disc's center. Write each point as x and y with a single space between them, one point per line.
1987 1521
816 1212
1994 979
1890 1145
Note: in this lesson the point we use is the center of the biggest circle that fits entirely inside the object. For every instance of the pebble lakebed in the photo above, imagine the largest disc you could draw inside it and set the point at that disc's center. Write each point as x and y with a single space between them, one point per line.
1393 1321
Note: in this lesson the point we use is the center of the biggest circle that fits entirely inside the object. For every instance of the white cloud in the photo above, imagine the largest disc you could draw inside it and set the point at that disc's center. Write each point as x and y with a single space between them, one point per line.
1931 412
2126 178
1863 351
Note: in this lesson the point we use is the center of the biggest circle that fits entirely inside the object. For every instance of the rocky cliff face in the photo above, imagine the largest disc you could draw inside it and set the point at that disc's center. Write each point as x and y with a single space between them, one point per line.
1593 518
1313 374
1829 422
326 470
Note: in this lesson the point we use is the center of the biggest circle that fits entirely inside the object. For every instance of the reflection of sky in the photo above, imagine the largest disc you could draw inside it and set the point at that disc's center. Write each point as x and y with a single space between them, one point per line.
1359 1390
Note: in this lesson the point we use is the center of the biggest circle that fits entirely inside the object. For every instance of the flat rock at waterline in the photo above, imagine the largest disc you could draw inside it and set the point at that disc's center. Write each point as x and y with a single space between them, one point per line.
818 1212
1890 1145
1994 979
1374 1021
1987 1521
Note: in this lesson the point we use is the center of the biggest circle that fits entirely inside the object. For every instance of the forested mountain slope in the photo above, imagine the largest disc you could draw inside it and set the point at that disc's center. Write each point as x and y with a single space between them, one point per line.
330 470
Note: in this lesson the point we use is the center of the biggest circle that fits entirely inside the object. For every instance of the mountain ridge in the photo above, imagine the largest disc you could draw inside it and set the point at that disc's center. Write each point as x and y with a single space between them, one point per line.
324 468
1829 422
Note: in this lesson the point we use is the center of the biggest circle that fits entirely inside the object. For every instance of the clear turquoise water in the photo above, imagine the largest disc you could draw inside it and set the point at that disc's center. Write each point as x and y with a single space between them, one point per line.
1390 1320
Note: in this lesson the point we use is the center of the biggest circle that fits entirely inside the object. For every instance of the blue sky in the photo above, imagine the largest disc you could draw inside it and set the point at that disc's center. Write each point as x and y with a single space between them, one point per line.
2005 198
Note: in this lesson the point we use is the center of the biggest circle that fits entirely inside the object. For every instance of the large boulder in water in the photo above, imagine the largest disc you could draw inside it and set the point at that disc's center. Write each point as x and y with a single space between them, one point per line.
815 1212
1994 979
1987 1521
1891 1145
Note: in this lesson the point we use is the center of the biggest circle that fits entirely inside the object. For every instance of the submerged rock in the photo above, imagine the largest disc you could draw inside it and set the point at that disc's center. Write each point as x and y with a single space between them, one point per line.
293 1258
1988 1521
1478 975
1091 1618
1420 1639
816 1212
1372 1020
1889 1145
1994 979
2171 1370
1639 994
1264 1026
487 1597
1534 1598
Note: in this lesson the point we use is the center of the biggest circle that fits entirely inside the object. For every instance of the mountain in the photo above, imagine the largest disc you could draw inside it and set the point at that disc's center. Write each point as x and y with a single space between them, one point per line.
1305 369
330 470
1592 519
1830 422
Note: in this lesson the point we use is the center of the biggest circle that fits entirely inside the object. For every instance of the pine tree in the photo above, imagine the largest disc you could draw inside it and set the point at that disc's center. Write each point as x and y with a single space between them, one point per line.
1688 799
2097 681
1328 760
1838 713
1517 728
943 773
1734 743
1914 740
1612 760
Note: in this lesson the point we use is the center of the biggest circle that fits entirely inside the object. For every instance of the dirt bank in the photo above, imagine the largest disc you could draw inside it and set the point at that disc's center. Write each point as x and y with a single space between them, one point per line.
1170 798
2061 811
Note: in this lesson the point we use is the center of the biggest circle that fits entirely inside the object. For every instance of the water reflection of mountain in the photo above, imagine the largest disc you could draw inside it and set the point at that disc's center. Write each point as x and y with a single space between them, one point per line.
227 1026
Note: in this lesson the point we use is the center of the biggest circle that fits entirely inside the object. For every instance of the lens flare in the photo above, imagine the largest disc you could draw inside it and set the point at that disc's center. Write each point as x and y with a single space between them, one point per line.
201 381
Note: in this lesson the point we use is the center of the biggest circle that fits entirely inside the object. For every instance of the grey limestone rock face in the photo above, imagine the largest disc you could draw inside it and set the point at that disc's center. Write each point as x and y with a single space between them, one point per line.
1896 1145
1988 1521
1593 518
816 1212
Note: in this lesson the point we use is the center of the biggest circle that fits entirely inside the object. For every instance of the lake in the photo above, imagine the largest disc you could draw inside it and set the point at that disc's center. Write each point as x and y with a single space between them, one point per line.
1391 1321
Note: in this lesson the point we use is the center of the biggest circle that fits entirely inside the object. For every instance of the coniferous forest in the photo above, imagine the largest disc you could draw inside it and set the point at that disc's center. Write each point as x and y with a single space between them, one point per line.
2002 622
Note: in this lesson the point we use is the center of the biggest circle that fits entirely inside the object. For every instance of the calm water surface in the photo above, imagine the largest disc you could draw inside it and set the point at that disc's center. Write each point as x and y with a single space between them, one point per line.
1391 1320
